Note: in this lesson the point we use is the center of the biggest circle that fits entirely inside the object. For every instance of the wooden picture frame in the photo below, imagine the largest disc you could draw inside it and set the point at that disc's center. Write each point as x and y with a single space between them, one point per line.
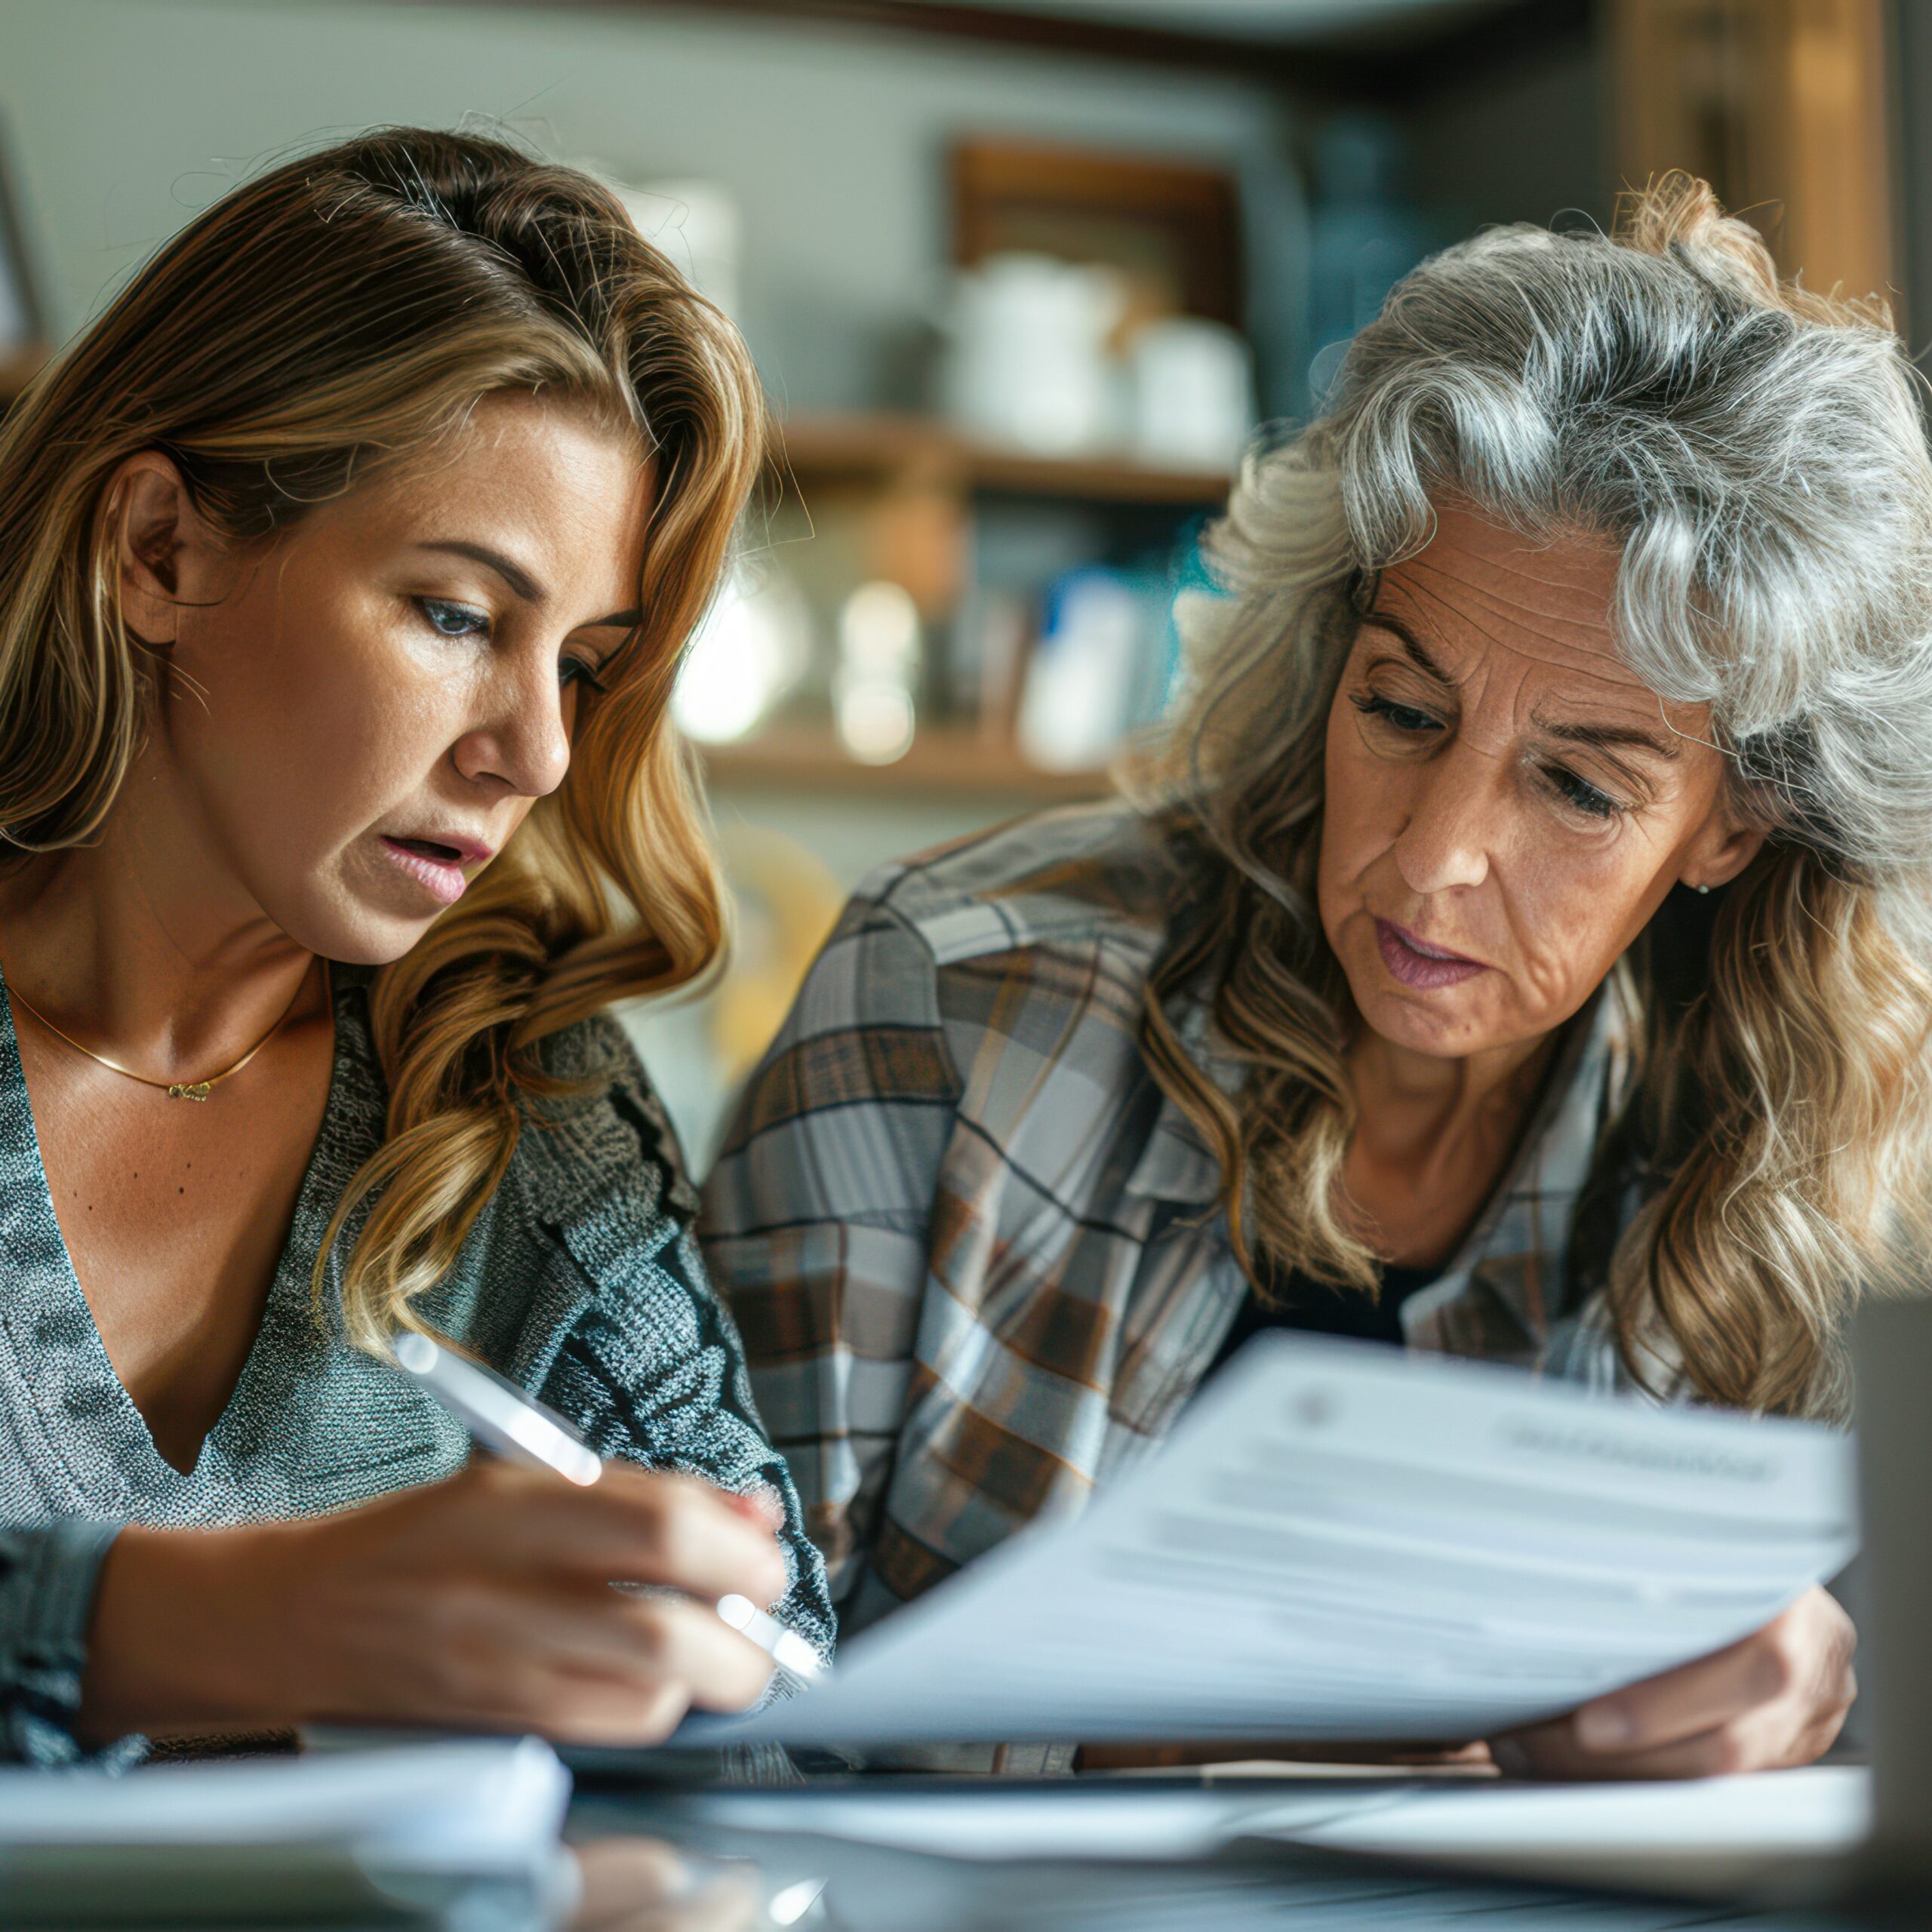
1173 226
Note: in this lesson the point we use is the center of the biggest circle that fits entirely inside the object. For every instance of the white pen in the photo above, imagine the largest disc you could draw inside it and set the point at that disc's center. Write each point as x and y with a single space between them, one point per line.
508 1423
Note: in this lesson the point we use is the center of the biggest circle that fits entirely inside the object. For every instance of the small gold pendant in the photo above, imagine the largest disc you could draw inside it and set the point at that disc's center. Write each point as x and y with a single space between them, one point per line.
196 1090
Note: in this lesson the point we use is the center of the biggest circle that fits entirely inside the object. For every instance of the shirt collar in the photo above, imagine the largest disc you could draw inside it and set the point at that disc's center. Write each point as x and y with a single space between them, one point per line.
1518 1239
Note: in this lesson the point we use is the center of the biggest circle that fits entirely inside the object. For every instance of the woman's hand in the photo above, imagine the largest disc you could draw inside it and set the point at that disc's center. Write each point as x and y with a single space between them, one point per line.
482 1602
1775 1699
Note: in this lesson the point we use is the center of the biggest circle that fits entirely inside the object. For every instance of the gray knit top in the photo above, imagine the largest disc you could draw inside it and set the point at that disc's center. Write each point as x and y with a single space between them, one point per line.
581 1281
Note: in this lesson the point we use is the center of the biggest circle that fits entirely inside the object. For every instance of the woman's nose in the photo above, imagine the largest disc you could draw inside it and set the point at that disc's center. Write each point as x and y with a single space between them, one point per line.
1451 828
525 742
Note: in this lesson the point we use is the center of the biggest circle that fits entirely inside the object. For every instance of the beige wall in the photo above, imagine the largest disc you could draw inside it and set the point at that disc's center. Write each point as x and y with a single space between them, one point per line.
125 116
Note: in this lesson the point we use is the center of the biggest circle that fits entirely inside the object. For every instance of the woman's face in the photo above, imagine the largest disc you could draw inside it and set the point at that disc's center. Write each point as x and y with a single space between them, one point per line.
357 715
1506 803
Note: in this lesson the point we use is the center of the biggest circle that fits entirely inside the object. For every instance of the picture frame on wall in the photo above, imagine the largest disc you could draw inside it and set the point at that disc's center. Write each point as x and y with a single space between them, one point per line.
1171 228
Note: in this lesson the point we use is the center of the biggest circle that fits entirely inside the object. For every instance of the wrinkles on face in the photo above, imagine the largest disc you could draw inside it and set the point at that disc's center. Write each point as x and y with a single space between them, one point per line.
1500 784
1509 657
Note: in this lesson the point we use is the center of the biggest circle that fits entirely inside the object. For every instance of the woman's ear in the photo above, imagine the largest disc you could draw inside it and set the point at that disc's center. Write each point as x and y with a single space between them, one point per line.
166 552
1722 850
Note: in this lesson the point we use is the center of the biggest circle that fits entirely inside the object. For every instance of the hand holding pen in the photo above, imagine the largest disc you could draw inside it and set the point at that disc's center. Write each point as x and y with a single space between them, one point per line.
481 1602
507 1423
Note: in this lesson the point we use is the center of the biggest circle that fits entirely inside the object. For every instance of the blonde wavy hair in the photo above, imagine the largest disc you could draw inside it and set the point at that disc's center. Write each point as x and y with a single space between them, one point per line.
1757 450
341 315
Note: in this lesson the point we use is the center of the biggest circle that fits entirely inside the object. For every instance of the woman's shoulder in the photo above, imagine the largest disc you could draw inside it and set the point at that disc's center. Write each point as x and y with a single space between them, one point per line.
593 1129
1081 876
593 1221
1036 938
600 1140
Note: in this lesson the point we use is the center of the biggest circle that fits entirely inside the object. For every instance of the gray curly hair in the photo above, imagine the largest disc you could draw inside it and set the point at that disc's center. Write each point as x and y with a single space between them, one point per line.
1758 452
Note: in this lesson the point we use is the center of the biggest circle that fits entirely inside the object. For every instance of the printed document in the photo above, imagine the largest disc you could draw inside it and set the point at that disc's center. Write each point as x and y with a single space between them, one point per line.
1342 1541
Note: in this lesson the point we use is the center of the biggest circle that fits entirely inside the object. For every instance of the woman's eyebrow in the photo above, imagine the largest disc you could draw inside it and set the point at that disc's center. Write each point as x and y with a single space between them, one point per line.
513 574
1602 737
1381 621
520 582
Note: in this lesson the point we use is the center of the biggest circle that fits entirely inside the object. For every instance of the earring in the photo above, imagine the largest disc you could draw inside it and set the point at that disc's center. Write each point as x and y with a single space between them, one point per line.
1703 888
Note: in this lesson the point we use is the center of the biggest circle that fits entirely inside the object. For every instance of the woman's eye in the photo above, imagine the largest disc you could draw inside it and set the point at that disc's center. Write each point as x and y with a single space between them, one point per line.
1581 793
1403 717
453 620
575 671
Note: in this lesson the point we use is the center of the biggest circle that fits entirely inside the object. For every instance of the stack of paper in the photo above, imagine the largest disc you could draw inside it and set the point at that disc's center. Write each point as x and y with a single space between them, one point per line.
436 1828
1342 1542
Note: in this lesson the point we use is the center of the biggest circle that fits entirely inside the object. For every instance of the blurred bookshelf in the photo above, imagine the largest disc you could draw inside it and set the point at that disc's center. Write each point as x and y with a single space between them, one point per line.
978 543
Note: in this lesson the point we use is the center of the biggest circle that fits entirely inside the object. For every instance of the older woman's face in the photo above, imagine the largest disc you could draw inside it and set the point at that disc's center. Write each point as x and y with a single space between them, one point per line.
1506 803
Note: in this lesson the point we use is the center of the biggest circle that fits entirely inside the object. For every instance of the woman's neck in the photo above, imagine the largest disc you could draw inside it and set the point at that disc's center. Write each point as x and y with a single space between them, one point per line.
1432 1138
1402 1094
143 943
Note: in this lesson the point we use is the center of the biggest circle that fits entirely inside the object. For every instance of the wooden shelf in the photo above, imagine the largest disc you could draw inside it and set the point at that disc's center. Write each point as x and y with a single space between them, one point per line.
909 463
941 761
18 367
859 444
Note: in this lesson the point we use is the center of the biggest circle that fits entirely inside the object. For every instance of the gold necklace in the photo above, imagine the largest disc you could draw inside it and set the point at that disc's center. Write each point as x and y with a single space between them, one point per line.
175 1089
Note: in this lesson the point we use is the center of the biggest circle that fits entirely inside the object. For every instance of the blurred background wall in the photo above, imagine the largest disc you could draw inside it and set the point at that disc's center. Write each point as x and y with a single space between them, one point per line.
1022 277
126 116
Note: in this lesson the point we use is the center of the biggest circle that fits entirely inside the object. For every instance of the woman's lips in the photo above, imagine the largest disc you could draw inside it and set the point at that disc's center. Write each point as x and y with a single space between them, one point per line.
1416 963
442 877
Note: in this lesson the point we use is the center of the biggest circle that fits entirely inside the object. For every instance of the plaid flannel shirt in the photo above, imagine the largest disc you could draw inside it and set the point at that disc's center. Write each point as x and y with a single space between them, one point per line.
972 1248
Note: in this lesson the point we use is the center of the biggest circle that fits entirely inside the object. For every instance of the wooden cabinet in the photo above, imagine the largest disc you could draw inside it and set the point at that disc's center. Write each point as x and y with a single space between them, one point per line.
1784 107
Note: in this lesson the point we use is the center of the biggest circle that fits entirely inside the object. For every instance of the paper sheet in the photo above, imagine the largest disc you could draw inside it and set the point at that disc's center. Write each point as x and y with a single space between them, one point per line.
1339 1541
421 1825
1769 1834
484 1800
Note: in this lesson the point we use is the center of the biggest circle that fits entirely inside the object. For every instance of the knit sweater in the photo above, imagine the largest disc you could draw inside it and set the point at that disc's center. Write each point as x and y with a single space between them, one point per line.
581 1281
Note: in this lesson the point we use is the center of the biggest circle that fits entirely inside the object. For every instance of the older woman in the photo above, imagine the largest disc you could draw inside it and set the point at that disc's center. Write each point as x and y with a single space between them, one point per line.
1513 953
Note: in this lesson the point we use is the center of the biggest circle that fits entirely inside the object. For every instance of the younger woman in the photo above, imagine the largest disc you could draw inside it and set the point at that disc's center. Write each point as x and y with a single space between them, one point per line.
344 565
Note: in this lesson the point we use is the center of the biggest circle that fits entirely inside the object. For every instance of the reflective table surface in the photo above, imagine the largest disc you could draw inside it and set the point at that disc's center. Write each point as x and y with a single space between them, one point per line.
744 1862
923 1853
